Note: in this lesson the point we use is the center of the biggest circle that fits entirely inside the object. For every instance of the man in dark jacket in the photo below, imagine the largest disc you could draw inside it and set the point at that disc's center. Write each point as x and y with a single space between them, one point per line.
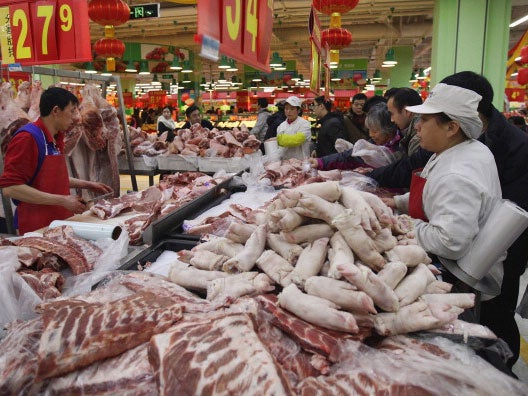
332 127
275 120
509 146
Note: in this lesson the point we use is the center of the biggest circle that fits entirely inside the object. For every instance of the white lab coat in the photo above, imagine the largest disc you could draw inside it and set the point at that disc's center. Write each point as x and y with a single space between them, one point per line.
299 125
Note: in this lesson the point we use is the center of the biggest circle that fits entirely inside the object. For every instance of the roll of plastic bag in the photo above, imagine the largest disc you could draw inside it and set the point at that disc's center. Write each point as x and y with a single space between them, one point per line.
92 231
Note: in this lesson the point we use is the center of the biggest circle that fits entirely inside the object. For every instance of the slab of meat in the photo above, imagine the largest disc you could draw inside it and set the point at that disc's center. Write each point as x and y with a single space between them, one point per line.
222 356
76 261
77 333
9 110
129 373
18 365
46 283
311 338
65 234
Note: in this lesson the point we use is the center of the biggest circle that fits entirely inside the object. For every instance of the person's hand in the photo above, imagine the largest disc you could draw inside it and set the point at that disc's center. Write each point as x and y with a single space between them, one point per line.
99 187
363 170
313 163
389 202
74 203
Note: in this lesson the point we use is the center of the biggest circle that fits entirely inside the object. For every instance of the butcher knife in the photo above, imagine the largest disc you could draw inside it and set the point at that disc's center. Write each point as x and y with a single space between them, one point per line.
103 196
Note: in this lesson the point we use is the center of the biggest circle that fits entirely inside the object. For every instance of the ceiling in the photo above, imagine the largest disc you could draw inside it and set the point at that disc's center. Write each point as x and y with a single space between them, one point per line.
374 24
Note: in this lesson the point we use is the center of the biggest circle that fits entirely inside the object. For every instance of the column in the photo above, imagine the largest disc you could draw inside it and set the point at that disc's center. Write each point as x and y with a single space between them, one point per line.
471 35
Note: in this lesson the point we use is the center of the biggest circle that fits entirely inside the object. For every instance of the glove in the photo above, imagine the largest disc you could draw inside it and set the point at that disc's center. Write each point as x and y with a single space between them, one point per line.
285 140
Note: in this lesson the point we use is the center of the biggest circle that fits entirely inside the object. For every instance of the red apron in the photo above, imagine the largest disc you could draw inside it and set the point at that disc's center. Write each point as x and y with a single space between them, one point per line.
52 178
415 196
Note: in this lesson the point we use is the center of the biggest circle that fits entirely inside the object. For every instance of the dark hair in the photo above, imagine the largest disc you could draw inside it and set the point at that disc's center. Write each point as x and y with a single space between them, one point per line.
191 109
324 101
168 108
379 118
390 92
373 101
517 120
55 96
476 83
359 96
405 97
280 105
262 102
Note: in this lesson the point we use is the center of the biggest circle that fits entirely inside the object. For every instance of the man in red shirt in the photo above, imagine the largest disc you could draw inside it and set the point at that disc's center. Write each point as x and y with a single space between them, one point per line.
35 173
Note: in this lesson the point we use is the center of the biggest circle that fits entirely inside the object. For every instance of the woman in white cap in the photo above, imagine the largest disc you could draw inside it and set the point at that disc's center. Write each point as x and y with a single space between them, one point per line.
454 194
294 134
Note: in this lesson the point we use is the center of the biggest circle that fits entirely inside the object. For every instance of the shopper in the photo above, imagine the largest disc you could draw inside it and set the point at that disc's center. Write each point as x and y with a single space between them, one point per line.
383 132
261 126
332 127
35 172
354 120
405 120
194 116
275 120
166 124
294 134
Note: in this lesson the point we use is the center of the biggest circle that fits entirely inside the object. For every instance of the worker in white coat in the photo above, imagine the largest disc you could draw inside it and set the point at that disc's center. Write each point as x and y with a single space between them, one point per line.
453 196
294 134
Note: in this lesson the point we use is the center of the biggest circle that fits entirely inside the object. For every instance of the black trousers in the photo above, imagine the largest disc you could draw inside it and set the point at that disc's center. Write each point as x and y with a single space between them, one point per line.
499 313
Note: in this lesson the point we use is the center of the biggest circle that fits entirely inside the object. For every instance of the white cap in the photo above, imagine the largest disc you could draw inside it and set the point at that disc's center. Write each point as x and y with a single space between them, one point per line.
459 104
294 101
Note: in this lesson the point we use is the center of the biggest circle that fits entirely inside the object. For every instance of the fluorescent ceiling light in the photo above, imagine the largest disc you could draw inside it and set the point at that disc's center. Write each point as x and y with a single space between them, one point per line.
519 21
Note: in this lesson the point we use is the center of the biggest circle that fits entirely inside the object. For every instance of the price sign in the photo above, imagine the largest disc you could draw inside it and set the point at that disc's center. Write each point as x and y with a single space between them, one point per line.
44 31
243 29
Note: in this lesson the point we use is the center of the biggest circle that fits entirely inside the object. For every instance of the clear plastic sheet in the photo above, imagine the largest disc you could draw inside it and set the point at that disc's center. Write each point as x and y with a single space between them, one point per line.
358 181
113 252
18 298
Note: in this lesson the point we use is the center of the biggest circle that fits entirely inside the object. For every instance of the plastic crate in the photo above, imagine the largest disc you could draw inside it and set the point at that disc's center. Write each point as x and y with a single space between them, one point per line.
177 162
214 164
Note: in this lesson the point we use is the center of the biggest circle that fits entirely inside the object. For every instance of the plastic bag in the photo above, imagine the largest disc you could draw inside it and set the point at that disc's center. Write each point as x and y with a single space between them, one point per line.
110 260
342 145
358 181
18 298
374 155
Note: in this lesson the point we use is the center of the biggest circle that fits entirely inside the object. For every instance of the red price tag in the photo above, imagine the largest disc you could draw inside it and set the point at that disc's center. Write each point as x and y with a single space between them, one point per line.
44 31
243 29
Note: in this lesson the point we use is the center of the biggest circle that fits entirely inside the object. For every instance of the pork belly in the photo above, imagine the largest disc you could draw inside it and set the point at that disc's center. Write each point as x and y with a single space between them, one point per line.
220 356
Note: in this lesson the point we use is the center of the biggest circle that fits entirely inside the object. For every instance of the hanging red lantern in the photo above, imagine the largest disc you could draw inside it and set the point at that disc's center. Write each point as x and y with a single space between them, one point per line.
330 6
522 76
337 38
109 48
109 12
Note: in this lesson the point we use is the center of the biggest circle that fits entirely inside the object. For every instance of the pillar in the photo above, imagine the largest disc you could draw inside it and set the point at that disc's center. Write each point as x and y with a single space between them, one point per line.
471 35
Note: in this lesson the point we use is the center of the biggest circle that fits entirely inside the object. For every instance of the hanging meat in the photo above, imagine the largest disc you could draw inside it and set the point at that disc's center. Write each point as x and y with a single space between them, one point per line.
94 157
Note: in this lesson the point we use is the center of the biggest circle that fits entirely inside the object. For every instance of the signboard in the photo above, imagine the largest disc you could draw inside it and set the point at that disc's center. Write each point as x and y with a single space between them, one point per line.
243 29
515 94
143 11
44 31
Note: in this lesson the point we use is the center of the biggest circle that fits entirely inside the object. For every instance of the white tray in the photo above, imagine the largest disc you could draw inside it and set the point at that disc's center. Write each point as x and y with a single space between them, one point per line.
139 163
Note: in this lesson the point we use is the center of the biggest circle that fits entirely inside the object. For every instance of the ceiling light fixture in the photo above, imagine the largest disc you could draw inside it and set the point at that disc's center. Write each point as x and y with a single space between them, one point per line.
144 70
90 68
519 21
224 63
390 59
130 68
232 66
187 68
175 65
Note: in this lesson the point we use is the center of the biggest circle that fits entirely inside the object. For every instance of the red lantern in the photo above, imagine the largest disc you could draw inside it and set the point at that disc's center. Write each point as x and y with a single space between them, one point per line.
337 38
524 55
330 6
109 48
109 12
522 76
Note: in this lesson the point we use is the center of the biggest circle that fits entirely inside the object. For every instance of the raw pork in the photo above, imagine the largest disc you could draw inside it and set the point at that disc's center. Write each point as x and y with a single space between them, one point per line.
221 356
